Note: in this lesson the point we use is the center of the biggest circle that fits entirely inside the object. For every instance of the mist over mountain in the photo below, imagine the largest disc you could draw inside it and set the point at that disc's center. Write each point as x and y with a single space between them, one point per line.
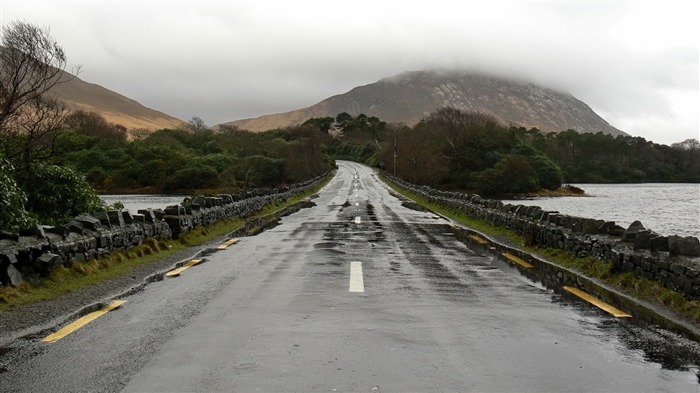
411 96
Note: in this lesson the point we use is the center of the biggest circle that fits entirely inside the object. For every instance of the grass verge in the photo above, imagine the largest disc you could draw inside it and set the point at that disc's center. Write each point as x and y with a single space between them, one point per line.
66 279
639 287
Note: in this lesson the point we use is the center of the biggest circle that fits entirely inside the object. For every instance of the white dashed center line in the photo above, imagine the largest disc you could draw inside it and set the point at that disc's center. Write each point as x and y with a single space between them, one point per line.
357 283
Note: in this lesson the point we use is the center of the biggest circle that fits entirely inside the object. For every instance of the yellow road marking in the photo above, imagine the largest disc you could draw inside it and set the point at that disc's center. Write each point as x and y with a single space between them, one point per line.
227 243
518 260
598 303
479 239
70 328
176 272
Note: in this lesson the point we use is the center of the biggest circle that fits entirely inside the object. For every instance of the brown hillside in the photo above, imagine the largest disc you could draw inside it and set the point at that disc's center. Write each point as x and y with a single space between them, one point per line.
114 107
409 97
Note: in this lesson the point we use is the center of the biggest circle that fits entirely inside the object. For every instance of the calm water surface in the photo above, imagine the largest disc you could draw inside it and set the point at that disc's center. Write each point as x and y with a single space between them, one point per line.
135 202
668 209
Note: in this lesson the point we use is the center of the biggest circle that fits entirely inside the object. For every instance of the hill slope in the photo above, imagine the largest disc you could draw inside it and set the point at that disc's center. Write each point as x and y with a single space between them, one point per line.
115 108
409 97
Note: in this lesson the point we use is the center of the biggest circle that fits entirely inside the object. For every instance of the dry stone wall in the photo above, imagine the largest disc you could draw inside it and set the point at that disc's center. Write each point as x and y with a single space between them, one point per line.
32 254
672 260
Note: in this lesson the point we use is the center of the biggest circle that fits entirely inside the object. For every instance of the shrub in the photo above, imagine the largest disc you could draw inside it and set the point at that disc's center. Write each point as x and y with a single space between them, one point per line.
13 216
56 194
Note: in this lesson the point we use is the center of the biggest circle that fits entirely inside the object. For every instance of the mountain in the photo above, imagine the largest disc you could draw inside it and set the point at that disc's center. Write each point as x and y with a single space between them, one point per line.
115 108
411 96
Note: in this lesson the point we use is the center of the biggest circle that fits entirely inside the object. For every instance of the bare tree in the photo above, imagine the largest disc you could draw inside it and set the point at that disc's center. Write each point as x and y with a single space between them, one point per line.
31 64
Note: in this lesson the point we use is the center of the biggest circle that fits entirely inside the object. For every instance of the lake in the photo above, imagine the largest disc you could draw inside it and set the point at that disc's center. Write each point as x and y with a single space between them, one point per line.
668 209
135 202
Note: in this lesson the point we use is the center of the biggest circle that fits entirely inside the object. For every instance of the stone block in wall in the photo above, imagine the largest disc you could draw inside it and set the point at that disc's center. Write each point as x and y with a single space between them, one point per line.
8 259
605 227
192 208
127 217
78 257
616 231
631 232
173 221
688 246
553 218
34 230
77 241
104 239
88 221
642 239
226 198
118 240
116 218
47 262
14 276
148 215
138 218
104 218
5 235
678 269
175 210
658 243
591 226
159 213
60 230
201 201
75 226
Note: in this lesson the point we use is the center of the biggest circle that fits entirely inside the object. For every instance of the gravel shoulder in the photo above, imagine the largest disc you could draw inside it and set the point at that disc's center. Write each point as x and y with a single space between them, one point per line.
39 318
36 318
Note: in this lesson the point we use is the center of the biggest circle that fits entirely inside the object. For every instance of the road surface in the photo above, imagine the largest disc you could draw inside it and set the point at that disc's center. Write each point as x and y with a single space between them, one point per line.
357 294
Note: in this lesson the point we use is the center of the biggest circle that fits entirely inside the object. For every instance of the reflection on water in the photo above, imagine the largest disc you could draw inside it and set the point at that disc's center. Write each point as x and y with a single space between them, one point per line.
668 209
135 202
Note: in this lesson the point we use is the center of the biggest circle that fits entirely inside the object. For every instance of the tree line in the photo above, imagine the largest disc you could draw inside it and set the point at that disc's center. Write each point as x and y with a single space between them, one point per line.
602 158
457 150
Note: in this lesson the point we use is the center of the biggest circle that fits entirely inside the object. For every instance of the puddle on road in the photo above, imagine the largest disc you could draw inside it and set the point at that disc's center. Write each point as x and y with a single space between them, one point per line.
327 245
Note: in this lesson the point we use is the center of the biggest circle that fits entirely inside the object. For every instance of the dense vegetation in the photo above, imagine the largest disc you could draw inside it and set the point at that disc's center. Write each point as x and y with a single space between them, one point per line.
91 154
448 149
451 149
601 158
32 188
193 159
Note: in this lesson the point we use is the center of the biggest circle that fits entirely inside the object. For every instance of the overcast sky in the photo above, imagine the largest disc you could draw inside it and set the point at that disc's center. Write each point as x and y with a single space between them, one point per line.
635 63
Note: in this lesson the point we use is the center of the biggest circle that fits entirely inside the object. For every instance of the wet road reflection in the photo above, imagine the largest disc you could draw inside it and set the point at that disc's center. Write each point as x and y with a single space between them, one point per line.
274 313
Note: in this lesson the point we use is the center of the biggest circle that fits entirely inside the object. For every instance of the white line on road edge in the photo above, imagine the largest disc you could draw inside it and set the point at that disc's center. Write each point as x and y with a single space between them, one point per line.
357 283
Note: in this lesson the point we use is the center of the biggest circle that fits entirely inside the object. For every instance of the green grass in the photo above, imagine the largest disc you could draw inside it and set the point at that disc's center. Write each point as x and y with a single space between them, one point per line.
639 287
64 279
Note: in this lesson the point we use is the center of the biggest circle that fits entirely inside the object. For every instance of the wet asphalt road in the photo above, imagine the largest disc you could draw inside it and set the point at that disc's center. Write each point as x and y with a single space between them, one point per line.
274 313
